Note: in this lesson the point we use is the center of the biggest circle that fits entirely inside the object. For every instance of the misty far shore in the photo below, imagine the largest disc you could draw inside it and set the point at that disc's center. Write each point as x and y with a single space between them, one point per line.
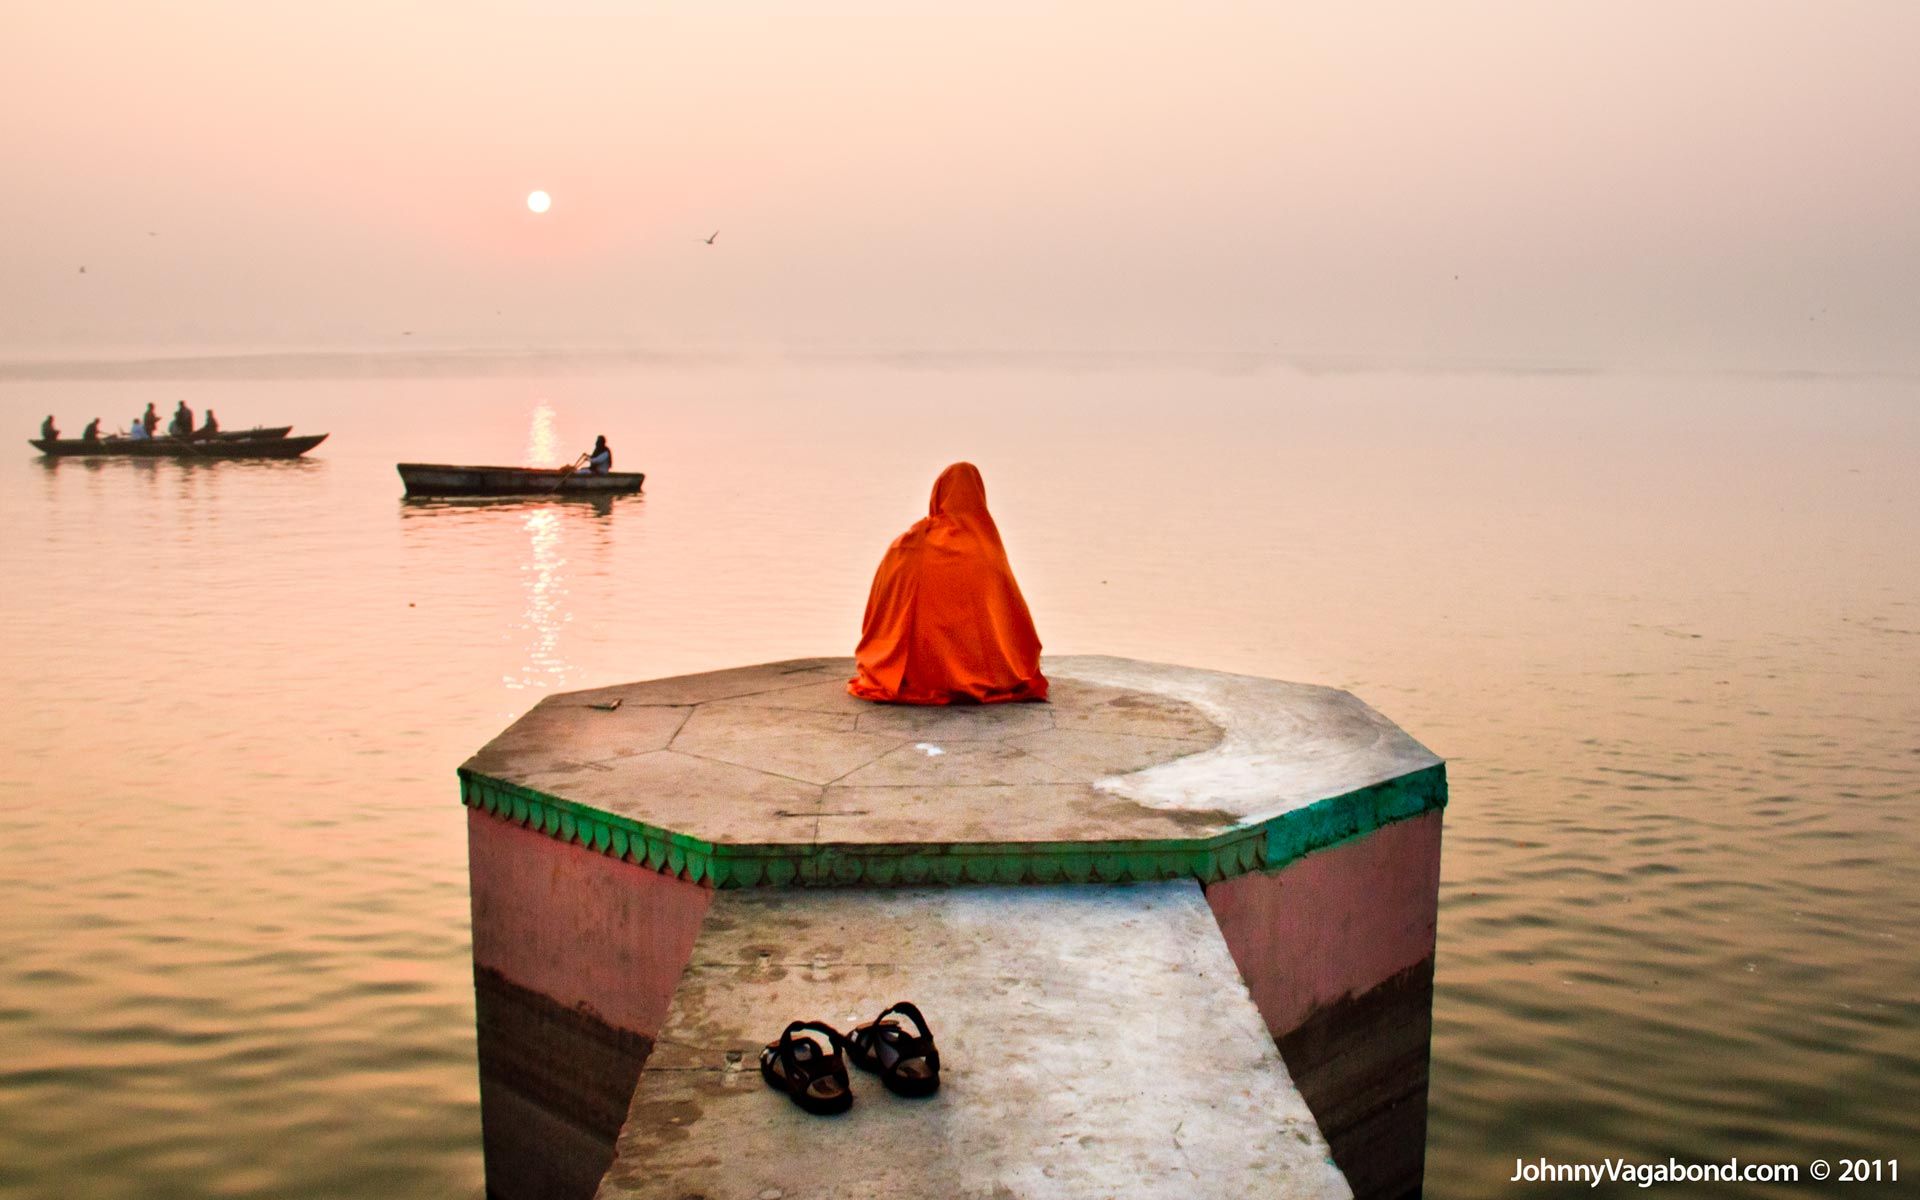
458 362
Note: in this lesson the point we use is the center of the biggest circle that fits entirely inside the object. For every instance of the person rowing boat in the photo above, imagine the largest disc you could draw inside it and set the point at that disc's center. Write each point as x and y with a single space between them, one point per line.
599 459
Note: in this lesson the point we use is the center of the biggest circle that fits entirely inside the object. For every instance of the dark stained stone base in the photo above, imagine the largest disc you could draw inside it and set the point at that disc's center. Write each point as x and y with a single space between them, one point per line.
555 1084
1362 1063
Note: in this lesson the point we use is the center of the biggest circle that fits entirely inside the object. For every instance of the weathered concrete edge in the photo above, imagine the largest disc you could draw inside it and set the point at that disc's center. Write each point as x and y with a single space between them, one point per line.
1265 846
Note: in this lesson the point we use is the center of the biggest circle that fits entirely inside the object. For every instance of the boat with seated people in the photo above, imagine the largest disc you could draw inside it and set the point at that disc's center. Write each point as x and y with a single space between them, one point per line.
446 479
188 449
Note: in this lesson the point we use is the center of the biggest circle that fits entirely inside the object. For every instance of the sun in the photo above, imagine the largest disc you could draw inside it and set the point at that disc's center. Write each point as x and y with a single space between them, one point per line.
539 201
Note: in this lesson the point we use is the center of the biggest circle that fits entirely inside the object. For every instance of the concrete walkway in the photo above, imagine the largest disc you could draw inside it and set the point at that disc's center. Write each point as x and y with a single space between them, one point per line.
1097 1041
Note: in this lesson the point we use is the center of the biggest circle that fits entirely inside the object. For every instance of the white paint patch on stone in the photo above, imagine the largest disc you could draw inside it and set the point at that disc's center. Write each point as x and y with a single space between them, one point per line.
1285 745
928 749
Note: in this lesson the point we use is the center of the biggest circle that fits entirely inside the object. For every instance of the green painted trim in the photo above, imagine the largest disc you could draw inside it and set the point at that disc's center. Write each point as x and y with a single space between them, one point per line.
1327 823
1265 846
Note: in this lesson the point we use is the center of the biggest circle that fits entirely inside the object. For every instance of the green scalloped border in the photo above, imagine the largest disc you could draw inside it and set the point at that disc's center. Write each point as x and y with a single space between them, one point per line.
1266 846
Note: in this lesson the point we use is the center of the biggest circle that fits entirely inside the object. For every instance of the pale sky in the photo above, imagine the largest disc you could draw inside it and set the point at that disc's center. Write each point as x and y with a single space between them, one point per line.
1684 184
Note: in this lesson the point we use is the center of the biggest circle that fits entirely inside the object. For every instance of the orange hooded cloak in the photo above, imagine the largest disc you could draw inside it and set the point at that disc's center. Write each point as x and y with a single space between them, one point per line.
945 622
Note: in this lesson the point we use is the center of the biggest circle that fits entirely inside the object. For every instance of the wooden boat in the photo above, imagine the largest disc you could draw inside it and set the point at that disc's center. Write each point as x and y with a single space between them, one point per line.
242 435
444 479
275 446
228 435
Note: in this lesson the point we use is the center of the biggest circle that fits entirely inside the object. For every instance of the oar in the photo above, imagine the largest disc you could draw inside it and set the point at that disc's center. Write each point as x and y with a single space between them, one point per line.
563 472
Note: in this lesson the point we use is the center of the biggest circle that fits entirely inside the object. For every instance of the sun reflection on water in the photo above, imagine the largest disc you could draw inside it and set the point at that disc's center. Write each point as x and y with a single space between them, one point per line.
546 612
543 571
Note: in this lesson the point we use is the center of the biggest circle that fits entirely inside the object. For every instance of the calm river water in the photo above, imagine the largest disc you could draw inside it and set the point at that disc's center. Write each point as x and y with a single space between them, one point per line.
1666 630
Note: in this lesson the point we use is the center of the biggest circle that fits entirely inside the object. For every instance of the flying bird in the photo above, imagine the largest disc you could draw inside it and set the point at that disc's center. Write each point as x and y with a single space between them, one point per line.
709 238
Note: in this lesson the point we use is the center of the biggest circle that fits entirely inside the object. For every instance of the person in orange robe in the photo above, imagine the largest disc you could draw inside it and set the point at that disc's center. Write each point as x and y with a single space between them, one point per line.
946 623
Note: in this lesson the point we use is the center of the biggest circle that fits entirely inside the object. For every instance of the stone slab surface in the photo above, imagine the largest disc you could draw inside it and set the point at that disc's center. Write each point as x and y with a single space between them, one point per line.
773 774
1096 1042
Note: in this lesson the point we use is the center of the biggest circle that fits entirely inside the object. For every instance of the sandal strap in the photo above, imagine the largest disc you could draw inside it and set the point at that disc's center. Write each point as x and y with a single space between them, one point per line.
906 1046
801 1072
911 1011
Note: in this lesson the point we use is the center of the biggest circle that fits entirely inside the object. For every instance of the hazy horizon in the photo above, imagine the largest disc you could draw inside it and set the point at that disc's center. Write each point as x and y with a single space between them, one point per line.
1629 186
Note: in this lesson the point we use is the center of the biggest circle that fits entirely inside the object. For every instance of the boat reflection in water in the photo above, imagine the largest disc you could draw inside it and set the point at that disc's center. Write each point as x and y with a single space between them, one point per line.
600 504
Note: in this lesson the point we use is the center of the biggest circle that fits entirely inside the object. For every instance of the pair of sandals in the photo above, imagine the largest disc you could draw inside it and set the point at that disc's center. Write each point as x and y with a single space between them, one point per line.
808 1062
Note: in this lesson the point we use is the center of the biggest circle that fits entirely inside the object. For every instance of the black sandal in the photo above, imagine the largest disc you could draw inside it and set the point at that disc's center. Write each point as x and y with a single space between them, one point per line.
907 1063
814 1079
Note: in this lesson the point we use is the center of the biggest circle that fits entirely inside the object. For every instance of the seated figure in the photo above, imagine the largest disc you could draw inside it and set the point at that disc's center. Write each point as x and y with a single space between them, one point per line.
599 459
945 622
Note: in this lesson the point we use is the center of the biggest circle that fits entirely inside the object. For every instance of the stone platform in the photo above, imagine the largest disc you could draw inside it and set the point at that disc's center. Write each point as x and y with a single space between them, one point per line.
617 834
774 775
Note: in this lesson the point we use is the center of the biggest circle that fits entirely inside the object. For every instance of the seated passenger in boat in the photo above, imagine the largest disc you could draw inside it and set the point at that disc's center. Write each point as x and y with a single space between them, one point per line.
945 621
92 432
139 432
600 460
182 424
47 429
211 426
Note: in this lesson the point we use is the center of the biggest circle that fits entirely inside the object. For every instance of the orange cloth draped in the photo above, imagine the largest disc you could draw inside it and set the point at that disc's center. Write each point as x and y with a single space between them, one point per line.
946 623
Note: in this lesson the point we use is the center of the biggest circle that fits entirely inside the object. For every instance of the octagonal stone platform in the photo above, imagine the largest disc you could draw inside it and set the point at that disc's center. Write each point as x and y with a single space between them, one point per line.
618 835
774 775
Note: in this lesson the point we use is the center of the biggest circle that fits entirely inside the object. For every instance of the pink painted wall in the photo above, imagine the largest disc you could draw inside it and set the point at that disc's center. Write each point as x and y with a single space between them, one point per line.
583 929
1337 923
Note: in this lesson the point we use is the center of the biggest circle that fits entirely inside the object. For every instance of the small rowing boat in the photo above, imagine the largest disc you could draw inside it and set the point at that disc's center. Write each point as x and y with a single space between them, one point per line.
444 479
273 445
